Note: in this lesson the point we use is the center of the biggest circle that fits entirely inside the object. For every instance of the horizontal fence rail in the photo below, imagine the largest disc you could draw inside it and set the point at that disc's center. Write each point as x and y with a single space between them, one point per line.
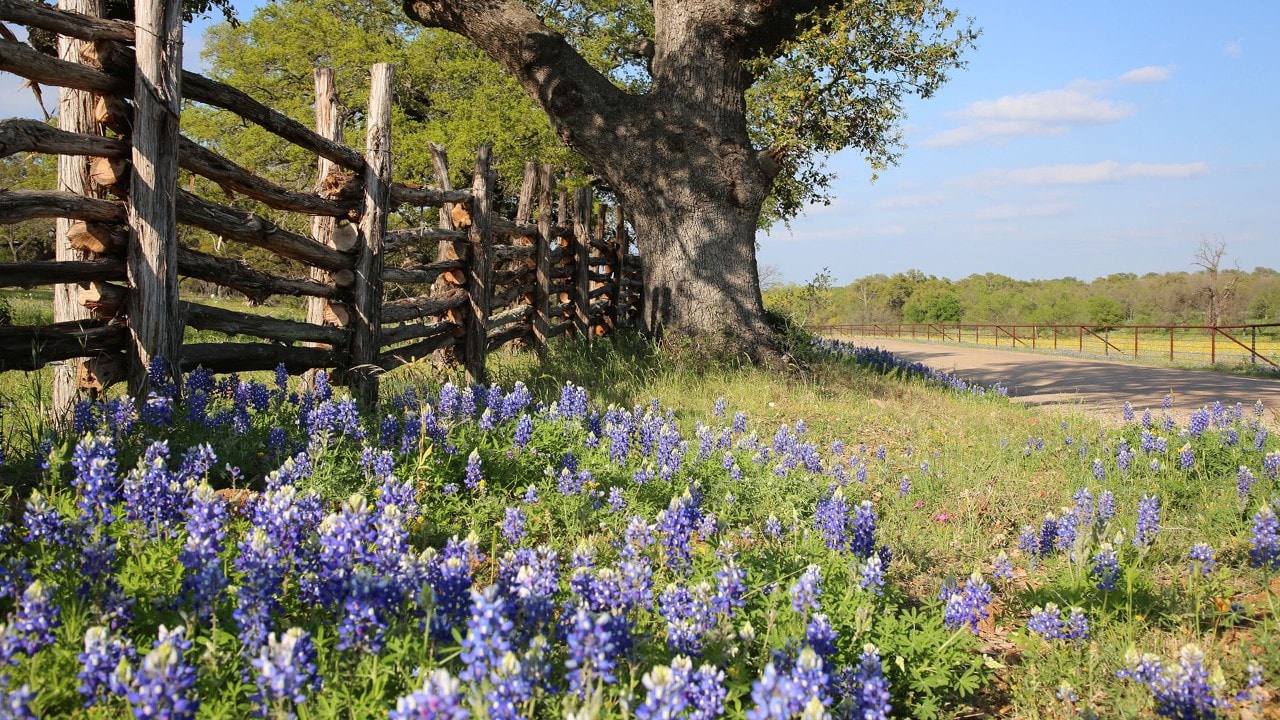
1256 345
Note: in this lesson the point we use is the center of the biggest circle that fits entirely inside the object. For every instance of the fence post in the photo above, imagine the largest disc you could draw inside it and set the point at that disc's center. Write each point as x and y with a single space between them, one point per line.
582 244
1253 345
606 314
363 373
154 325
542 258
479 290
329 126
1080 349
448 250
1213 345
1135 342
1170 344
619 269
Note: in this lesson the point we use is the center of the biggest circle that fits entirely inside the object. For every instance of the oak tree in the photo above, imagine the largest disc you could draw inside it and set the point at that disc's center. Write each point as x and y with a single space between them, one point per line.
698 112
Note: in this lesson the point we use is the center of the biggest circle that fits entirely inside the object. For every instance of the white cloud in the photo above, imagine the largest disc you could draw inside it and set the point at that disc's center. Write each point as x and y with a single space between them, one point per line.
1235 48
1148 74
1107 171
1046 113
1014 211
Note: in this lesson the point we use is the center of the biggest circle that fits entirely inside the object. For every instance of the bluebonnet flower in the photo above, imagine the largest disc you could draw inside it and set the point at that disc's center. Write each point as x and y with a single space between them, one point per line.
1048 535
591 654
34 620
688 614
1001 568
203 579
1185 690
864 688
968 606
904 486
1146 419
1106 509
473 476
1271 465
196 463
1099 472
1244 482
820 636
739 422
16 703
261 564
676 525
1127 412
1202 559
731 584
1148 525
488 635
806 589
872 575
800 692
102 655
163 685
1050 624
523 432
1029 541
773 527
1264 551
44 522
95 477
1106 567
513 525
449 574
1167 403
527 582
370 598
1186 457
286 669
439 699
154 496
1259 439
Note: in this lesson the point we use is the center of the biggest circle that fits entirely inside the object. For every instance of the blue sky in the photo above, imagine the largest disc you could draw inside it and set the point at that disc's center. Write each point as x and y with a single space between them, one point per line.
1083 139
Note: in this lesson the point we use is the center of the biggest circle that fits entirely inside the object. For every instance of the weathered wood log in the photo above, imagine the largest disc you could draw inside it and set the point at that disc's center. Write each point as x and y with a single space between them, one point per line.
560 273
30 274
243 357
110 173
397 239
511 294
336 315
346 236
604 246
19 205
113 112
412 331
599 277
63 22
98 238
507 277
402 194
255 230
560 309
630 283
205 317
207 163
419 307
31 348
513 252
18 135
505 228
460 216
515 314
602 290
597 260
153 219
367 319
542 260
20 59
401 356
480 275
502 337
528 184
328 126
420 273
559 329
101 372
104 300
254 284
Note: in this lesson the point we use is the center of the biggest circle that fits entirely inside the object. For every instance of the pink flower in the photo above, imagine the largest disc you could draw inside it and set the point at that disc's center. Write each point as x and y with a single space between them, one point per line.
942 517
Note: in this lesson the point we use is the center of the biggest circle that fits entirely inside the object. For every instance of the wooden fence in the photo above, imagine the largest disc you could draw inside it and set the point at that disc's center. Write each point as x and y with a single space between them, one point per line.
553 268
1257 345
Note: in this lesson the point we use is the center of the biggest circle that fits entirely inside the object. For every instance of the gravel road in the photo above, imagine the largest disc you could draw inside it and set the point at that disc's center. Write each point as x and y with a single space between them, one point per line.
1095 385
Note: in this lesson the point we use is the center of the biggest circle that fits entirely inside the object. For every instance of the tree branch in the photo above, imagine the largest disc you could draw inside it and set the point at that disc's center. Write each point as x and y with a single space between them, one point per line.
573 94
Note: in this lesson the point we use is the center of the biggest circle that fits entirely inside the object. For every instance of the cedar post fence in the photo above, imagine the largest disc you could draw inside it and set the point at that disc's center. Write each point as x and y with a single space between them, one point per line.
494 281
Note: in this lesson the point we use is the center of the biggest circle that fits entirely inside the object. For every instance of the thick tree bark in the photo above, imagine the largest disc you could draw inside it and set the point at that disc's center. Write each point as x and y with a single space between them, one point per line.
679 156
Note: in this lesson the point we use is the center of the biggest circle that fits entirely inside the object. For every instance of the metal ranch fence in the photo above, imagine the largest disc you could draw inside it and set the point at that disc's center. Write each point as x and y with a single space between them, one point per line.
1256 345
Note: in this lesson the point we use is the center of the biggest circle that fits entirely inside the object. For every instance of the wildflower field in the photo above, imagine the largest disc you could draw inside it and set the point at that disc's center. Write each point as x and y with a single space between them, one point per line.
611 534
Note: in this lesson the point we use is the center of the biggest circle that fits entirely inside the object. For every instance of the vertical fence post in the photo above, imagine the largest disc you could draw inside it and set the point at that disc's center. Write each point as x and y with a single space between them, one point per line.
581 270
606 314
542 258
367 318
1253 345
1135 343
75 114
1170 344
1213 345
154 325
448 250
329 126
479 285
619 269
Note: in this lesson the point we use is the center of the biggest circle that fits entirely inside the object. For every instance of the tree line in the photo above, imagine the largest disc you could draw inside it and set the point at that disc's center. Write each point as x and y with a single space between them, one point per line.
1200 296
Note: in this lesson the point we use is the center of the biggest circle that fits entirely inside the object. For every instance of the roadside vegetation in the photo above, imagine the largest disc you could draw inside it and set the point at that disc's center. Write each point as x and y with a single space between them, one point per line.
612 531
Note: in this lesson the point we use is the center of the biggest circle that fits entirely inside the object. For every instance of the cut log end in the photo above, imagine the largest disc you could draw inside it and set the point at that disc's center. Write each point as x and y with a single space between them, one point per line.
99 373
97 238
337 315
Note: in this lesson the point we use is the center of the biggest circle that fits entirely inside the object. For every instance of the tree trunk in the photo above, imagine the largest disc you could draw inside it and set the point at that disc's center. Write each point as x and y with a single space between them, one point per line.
680 156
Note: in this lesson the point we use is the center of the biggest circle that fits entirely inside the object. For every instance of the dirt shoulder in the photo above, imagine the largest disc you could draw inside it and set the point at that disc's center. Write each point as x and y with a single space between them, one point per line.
1097 386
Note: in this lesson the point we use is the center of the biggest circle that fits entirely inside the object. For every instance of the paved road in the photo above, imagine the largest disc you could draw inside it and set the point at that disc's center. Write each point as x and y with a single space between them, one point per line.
1098 385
